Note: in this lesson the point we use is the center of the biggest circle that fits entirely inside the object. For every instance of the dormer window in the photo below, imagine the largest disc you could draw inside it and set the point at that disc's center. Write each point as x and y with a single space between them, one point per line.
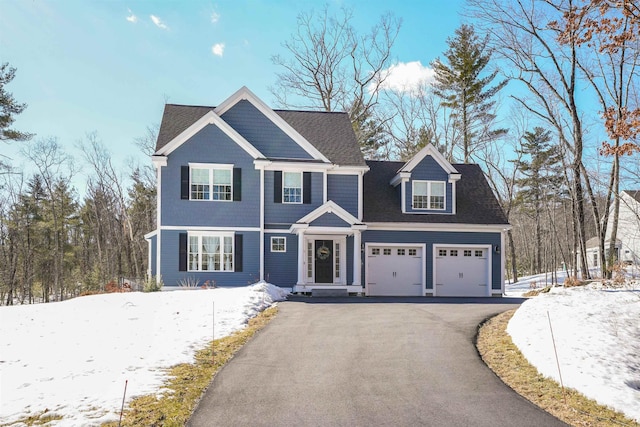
429 195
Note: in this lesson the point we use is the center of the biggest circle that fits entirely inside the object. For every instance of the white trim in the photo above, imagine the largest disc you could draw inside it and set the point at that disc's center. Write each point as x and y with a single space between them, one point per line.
277 231
245 94
423 275
357 259
158 221
417 226
403 195
503 263
329 207
293 166
284 238
489 249
454 205
348 170
225 166
430 150
400 177
360 195
261 224
159 161
211 118
150 234
206 228
325 189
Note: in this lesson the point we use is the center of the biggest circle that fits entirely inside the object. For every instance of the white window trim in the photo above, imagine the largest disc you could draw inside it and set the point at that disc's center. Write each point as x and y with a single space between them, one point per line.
301 188
221 236
211 167
284 240
342 241
444 208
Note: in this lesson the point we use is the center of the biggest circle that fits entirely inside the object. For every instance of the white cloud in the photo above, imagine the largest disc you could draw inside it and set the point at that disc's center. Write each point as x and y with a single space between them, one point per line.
159 22
407 77
218 49
132 18
215 17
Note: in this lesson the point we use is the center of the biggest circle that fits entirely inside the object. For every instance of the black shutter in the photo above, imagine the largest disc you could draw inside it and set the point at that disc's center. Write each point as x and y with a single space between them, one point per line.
183 252
237 184
277 187
184 182
238 253
306 187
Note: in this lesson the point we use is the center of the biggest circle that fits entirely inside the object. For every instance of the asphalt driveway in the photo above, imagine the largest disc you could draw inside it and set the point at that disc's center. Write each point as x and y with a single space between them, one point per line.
367 362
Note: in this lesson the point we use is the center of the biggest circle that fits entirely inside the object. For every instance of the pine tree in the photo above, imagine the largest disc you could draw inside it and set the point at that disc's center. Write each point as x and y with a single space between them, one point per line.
459 85
541 181
9 107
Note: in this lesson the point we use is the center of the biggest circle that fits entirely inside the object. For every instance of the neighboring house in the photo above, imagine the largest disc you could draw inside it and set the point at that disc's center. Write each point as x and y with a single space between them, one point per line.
248 193
628 234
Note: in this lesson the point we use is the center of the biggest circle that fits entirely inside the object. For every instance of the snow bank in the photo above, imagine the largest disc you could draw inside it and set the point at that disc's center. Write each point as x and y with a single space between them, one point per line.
72 358
597 334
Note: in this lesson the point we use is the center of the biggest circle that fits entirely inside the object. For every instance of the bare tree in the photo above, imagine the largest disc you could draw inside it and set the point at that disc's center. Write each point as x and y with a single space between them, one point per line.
533 56
330 67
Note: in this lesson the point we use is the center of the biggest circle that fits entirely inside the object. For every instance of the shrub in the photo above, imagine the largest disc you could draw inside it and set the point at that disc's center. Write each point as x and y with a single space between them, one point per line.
189 282
572 281
152 284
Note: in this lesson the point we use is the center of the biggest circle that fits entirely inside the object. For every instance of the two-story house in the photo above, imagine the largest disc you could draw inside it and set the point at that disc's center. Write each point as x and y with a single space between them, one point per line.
247 193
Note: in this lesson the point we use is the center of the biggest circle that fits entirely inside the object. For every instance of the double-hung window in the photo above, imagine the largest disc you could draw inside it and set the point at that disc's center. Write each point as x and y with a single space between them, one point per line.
211 182
292 187
210 253
429 195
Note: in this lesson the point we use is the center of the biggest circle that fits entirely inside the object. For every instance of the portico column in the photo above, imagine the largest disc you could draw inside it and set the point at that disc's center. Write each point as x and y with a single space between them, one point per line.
357 261
301 269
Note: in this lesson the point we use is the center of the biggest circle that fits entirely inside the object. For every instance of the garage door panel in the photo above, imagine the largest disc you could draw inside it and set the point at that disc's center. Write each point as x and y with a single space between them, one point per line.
394 271
461 271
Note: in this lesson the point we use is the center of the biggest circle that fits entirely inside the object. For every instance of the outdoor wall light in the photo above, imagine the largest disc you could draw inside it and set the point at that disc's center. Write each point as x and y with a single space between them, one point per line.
497 249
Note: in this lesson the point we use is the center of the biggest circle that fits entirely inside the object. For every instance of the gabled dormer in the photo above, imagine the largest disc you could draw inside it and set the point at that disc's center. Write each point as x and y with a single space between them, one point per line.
427 184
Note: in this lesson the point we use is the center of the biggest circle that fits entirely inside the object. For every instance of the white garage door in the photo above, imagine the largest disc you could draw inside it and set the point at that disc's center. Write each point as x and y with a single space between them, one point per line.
394 271
461 271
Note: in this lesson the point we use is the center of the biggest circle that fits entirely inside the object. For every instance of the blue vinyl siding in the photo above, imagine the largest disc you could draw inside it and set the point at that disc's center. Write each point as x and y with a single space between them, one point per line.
281 268
210 145
440 237
329 220
343 189
171 276
428 170
262 133
285 214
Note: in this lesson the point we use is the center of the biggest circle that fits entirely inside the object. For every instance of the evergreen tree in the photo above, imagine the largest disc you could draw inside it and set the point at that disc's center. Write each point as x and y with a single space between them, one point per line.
541 180
9 107
459 85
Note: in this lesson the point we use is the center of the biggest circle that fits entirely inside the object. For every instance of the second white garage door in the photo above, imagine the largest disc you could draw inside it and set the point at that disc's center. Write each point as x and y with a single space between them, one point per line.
461 271
394 271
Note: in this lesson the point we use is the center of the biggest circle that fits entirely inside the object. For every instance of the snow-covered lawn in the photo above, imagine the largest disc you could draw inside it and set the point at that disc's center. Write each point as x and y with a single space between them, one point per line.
597 335
72 358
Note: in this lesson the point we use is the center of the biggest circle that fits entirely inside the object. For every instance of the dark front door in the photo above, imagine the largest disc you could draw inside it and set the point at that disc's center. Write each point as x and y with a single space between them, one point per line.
324 261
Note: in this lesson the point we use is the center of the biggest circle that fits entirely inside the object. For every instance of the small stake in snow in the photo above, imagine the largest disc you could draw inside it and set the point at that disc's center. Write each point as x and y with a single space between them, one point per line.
213 331
555 350
123 396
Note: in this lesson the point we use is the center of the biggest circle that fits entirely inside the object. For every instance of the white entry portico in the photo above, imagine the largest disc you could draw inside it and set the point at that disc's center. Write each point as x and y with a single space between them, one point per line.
323 237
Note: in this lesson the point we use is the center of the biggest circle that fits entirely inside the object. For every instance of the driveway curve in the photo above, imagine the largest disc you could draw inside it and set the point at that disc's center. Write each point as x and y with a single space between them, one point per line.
367 362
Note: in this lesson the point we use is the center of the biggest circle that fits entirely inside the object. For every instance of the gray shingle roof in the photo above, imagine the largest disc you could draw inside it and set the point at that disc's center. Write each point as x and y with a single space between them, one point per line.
475 203
330 133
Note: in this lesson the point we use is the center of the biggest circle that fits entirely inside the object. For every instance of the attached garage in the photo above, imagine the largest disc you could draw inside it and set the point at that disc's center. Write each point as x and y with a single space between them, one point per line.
462 271
395 270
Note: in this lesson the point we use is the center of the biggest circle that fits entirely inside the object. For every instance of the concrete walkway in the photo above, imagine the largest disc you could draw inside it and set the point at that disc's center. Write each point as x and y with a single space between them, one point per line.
367 362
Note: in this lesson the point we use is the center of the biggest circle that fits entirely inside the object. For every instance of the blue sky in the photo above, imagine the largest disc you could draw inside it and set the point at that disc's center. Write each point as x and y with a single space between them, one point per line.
109 66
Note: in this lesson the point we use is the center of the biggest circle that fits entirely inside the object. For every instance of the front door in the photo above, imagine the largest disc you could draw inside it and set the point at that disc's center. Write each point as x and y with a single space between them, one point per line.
324 261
